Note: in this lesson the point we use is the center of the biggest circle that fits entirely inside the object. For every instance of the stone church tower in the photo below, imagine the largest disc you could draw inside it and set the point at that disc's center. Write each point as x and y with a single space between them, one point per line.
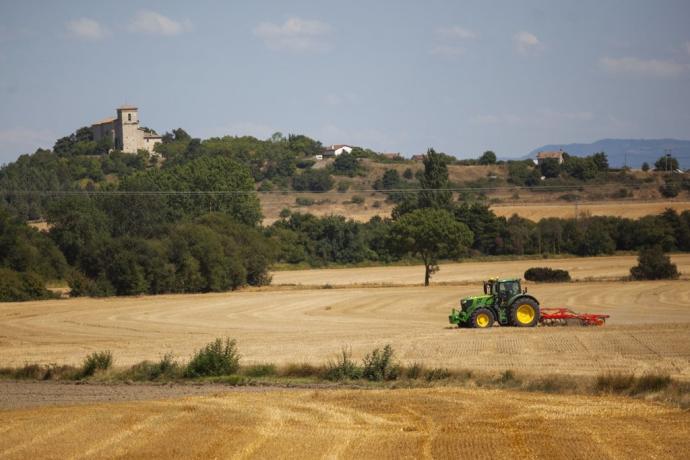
125 132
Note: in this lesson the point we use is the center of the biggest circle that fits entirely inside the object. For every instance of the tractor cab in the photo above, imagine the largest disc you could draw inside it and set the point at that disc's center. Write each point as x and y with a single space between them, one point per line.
502 290
503 301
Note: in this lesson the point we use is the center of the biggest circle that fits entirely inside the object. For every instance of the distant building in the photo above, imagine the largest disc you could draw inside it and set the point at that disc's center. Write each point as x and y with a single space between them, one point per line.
336 150
392 156
125 132
541 156
418 157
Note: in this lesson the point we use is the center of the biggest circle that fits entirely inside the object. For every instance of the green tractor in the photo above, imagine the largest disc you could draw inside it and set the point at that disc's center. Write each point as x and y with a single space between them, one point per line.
503 301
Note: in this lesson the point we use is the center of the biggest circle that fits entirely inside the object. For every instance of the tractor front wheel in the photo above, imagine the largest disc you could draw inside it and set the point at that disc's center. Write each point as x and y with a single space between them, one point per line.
482 318
524 313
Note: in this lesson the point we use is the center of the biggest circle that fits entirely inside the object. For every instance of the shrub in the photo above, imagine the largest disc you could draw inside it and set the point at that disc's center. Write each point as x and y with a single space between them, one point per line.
653 264
408 174
415 371
260 370
437 373
166 368
356 199
305 164
343 367
301 201
314 180
569 197
97 361
651 382
546 274
343 186
614 382
379 365
19 287
216 358
670 189
301 370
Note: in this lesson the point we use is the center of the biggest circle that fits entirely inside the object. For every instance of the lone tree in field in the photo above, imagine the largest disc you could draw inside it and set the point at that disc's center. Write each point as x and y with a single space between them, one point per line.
653 264
430 234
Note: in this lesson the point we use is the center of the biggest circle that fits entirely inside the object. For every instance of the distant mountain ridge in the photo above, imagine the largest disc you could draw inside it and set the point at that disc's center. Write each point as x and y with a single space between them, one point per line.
637 151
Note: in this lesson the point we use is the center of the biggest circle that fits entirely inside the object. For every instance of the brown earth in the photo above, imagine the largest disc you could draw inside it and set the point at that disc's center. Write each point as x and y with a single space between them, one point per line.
648 329
416 423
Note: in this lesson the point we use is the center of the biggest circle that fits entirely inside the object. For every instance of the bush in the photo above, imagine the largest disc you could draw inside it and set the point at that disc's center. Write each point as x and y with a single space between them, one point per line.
97 361
343 367
546 274
670 190
408 174
379 365
415 371
166 368
437 373
217 358
305 164
356 199
19 287
343 186
313 180
260 370
301 201
301 370
653 264
651 382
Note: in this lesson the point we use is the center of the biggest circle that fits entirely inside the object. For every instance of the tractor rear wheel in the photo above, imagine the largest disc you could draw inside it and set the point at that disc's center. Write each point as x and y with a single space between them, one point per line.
482 318
524 313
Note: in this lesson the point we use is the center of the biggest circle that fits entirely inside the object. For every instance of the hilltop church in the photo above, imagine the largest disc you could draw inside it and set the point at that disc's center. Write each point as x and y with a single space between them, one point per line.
125 132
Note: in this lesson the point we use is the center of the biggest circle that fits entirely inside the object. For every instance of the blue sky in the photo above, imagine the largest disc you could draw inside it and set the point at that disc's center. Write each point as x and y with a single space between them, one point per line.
400 76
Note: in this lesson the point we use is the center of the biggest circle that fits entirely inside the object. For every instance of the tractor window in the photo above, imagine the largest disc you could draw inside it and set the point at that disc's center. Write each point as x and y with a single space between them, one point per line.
509 289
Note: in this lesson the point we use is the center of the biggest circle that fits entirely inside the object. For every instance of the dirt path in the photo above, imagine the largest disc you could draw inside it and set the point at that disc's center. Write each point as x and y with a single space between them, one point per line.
422 423
649 328
21 394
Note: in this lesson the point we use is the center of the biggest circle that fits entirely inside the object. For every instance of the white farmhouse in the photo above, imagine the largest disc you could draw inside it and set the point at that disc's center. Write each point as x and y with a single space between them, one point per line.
125 132
336 150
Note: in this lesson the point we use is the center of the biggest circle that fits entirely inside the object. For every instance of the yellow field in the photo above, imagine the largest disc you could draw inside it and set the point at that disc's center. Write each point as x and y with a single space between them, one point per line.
338 203
648 329
580 268
628 209
422 423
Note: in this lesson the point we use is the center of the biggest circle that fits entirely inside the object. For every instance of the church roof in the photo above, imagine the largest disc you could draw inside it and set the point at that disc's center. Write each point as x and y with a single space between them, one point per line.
105 121
127 107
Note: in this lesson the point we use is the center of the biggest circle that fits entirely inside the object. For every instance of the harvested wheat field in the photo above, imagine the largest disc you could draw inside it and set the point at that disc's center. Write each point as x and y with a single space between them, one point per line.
648 330
628 209
419 423
580 268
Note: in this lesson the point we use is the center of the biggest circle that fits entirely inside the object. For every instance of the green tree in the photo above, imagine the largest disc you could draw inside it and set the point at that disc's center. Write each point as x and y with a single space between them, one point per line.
653 264
390 180
315 180
434 182
666 163
346 165
430 234
645 166
550 168
487 158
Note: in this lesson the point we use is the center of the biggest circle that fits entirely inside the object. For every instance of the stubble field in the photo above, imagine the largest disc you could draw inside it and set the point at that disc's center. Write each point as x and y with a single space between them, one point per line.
648 329
419 423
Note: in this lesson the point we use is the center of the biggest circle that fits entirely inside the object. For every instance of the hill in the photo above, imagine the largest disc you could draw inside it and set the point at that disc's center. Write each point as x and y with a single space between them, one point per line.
637 150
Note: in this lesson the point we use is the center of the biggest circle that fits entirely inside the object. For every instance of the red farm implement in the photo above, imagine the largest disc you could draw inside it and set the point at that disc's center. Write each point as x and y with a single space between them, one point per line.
566 317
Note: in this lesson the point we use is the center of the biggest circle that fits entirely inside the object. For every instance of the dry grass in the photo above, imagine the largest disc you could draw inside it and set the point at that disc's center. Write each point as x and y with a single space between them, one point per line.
415 423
